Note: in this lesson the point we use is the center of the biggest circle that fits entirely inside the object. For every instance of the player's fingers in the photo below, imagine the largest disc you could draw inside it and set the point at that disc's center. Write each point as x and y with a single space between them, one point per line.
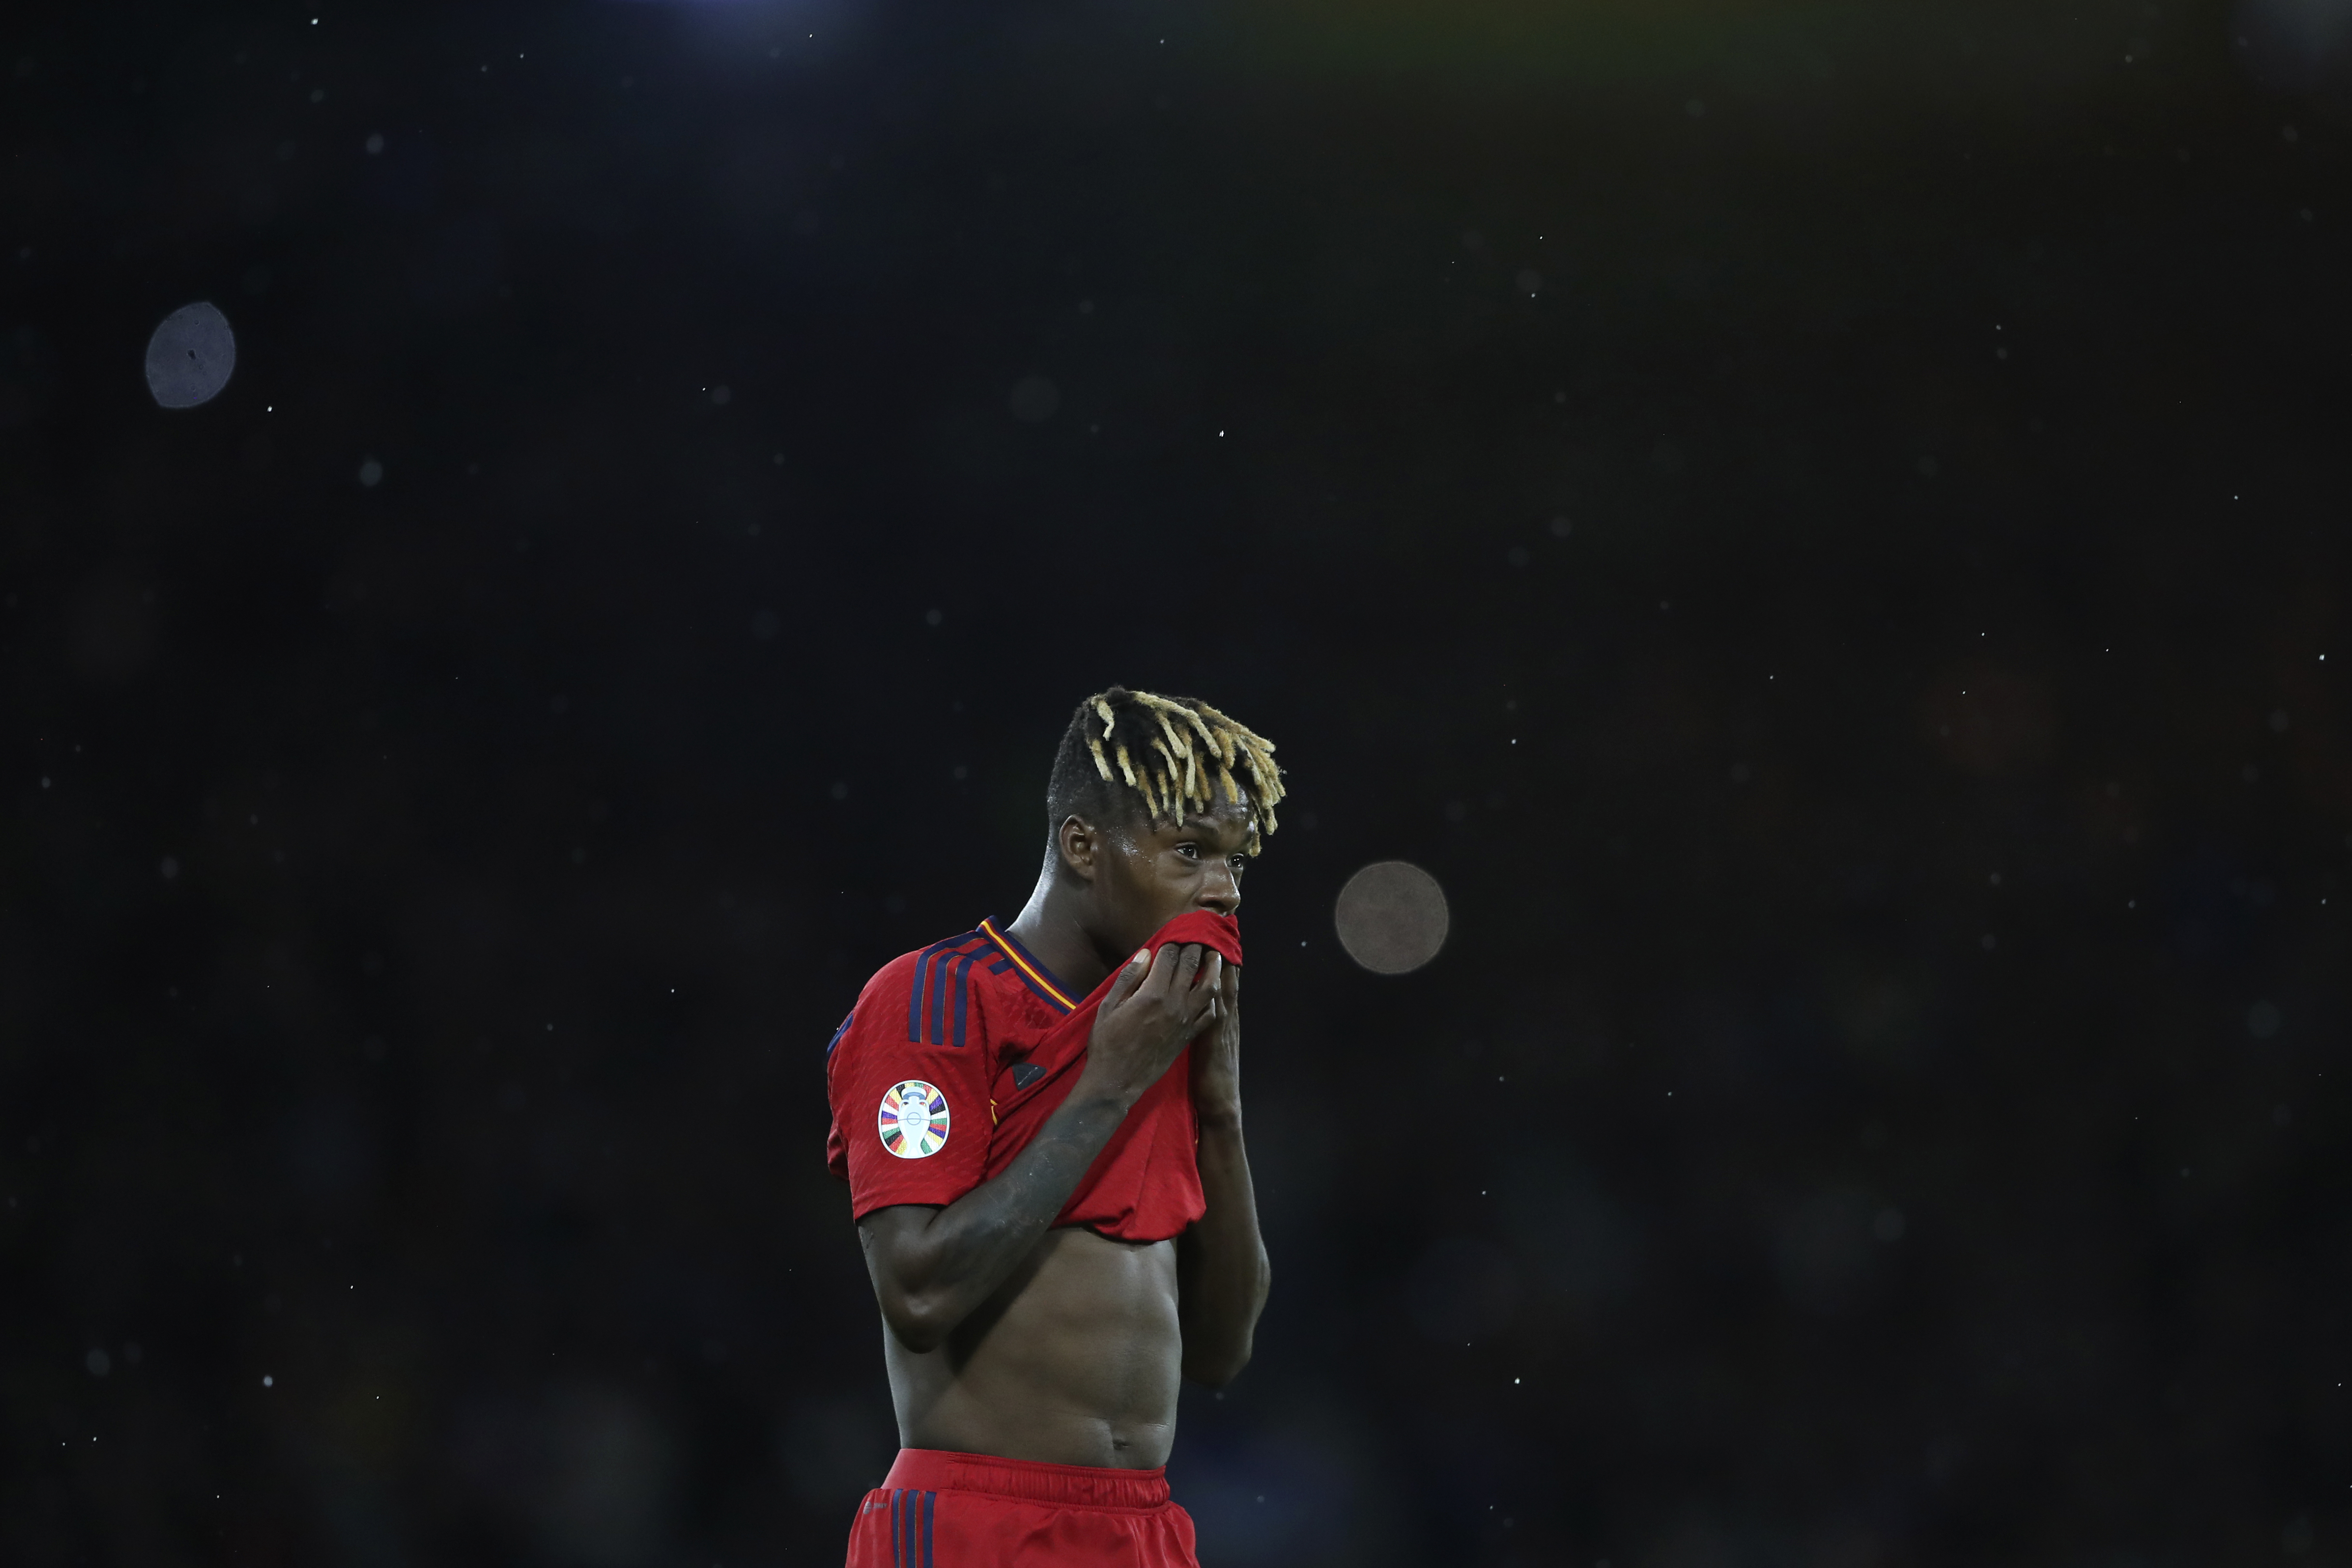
1201 1002
1131 976
1229 998
1156 979
1212 972
1188 969
1203 998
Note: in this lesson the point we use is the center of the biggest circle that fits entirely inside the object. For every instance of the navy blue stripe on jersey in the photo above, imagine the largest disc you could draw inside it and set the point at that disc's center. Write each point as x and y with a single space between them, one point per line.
926 968
928 1499
935 1000
944 971
915 992
963 993
922 983
951 977
841 1031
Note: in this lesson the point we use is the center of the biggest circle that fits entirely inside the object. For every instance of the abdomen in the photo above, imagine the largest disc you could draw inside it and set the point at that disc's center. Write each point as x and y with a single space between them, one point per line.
1075 1362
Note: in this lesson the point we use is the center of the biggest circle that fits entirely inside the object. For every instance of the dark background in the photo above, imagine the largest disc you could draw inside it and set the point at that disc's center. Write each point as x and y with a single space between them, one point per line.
1822 525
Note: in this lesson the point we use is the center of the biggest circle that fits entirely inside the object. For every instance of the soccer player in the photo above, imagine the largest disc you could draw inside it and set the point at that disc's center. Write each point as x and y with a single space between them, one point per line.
1041 1127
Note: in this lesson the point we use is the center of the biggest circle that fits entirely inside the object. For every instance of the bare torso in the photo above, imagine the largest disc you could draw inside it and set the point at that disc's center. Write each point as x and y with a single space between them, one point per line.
1006 1335
1075 1360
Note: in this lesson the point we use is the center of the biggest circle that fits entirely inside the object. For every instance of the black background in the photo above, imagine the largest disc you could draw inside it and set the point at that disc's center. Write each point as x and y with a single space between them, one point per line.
1823 526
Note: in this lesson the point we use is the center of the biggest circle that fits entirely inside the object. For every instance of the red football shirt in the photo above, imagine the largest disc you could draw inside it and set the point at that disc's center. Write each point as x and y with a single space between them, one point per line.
955 1056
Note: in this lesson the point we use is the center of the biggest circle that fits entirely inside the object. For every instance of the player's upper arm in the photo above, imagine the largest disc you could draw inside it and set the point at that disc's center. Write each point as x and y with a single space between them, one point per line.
902 1266
910 1102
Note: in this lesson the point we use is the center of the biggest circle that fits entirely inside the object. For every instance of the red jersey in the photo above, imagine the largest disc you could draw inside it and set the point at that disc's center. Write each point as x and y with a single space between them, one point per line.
957 1055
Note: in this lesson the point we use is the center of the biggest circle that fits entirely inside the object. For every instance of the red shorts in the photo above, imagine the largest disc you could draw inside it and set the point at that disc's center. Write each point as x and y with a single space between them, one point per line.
938 1510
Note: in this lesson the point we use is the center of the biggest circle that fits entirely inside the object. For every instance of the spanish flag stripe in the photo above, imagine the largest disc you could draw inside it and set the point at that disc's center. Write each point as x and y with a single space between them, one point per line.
1021 961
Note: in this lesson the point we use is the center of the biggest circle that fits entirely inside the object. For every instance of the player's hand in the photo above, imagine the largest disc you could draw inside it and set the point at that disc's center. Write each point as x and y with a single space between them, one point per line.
1217 1057
1155 1008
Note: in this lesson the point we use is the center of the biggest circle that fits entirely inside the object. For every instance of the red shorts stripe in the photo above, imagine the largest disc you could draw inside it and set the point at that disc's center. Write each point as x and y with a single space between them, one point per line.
939 1510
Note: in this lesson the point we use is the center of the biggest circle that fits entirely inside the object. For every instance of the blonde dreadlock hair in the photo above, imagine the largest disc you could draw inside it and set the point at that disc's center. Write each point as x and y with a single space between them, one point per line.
1177 754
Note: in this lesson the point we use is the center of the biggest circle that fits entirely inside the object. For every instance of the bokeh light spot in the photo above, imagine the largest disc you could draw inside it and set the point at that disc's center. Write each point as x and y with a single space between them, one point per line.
191 355
1392 917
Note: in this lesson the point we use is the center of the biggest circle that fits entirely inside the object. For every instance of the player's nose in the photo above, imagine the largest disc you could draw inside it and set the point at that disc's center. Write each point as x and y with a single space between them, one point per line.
1219 890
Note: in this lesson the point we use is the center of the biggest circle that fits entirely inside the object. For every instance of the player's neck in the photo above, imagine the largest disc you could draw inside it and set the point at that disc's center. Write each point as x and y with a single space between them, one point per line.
1051 927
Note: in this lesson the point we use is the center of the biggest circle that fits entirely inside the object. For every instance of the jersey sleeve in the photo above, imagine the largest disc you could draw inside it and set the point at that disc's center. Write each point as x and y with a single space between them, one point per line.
911 1106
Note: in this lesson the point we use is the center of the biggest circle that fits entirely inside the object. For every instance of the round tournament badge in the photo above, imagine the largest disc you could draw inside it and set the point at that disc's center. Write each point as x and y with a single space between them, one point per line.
914 1120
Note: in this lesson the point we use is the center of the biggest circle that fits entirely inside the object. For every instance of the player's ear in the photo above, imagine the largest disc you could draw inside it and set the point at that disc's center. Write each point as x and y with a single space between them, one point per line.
1079 845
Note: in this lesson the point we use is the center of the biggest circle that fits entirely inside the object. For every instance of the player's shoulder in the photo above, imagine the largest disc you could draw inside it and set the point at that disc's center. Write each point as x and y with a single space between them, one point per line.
937 991
910 970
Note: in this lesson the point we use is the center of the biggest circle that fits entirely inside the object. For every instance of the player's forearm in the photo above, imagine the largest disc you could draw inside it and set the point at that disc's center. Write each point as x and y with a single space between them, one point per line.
936 1276
1226 1272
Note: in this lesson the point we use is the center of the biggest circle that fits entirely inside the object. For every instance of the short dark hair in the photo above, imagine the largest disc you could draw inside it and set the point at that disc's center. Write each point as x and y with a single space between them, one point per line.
1125 748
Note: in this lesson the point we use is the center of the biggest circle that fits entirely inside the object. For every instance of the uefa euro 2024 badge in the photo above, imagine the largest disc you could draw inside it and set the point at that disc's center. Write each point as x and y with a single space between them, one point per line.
914 1120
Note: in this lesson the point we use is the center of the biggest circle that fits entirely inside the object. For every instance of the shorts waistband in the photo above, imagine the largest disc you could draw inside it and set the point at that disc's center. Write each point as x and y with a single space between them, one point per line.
1066 1486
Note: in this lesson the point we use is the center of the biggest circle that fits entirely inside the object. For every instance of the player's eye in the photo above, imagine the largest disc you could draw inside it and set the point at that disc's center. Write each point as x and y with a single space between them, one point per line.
1190 851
